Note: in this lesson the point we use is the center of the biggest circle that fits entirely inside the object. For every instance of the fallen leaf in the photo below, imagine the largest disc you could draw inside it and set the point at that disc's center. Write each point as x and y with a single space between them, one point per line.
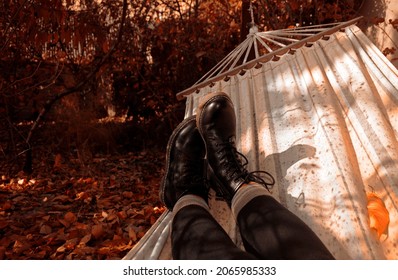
70 217
122 214
19 247
7 205
45 229
60 234
153 220
65 223
44 223
57 161
61 249
132 234
111 217
379 217
112 247
97 231
141 234
74 233
40 255
81 226
85 239
139 214
105 203
82 196
128 194
29 237
46 218
71 243
88 180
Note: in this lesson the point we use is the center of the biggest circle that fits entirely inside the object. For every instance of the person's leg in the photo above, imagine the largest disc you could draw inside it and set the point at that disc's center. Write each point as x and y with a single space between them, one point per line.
197 235
271 231
268 229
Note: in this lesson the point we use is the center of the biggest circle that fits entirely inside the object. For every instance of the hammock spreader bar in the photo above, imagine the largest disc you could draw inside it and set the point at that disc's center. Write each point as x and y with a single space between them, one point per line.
219 72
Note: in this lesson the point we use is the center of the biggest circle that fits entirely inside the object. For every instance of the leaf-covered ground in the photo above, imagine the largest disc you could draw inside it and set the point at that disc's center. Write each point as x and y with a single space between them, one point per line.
64 211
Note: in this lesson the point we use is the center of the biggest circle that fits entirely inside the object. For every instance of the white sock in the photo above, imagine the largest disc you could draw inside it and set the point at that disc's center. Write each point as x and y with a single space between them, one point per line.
190 199
245 194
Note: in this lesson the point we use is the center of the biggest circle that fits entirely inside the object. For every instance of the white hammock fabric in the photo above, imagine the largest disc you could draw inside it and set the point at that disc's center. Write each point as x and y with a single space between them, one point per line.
323 120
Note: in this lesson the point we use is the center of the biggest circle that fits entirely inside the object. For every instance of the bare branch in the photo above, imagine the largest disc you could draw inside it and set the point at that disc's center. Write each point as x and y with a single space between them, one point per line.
9 25
74 89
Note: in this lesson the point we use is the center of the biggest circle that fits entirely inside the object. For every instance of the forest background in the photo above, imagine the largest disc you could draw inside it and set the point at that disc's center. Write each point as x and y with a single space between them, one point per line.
88 101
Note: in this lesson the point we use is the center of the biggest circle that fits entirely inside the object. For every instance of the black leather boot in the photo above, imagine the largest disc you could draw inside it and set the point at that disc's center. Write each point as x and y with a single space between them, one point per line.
216 122
184 172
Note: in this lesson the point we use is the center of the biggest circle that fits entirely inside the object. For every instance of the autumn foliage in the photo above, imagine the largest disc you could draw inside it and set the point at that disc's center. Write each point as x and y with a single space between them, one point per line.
63 213
87 102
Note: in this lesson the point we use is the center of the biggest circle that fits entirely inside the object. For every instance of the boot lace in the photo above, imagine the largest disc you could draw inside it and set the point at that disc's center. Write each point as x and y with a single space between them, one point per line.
231 160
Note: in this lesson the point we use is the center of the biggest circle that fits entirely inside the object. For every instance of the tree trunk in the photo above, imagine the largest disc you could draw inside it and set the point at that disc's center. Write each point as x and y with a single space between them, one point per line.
245 19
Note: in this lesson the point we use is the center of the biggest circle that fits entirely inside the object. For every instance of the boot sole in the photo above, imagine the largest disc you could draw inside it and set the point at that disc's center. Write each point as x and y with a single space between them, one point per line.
169 148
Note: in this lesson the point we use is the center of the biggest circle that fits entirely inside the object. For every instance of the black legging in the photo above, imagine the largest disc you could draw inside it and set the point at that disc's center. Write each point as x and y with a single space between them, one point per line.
268 230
